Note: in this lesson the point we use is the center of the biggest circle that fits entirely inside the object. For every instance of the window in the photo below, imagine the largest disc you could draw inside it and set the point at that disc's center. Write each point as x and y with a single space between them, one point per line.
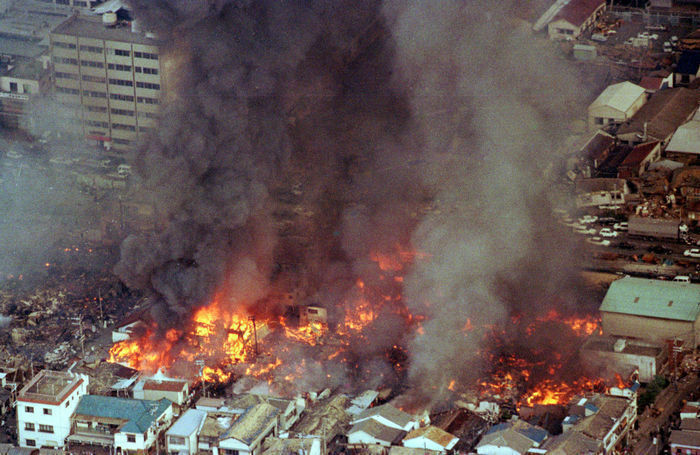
64 45
88 78
122 52
27 88
95 94
146 55
65 61
146 100
29 426
46 428
121 82
228 452
122 112
150 70
176 440
131 438
114 66
93 109
121 141
80 3
60 75
117 96
97 123
29 409
47 411
599 120
120 126
92 64
148 85
13 87
84 48
30 442
70 91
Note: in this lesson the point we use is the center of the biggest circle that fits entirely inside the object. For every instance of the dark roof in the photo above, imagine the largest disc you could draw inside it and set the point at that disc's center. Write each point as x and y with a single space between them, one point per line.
577 11
639 153
598 145
685 438
138 415
89 27
379 431
651 82
688 62
665 111
690 424
251 424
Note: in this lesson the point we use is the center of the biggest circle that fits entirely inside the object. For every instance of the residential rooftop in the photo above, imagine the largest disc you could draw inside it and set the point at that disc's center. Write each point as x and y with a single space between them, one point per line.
92 27
50 386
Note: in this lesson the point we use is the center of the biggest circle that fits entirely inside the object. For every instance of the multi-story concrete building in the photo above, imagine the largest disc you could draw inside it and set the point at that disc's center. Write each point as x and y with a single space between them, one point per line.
45 405
110 75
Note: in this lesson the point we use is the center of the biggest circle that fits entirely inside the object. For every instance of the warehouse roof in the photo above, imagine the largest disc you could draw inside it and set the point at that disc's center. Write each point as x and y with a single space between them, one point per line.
665 111
138 415
686 139
653 298
619 96
576 12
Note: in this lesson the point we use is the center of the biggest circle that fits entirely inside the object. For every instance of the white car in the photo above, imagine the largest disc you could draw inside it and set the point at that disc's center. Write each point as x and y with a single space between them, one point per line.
609 207
623 226
584 230
14 155
693 253
600 241
607 232
585 219
681 279
61 160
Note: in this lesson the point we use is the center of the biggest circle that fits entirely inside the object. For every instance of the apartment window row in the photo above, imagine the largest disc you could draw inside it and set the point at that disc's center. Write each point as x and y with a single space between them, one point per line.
145 70
92 64
121 82
120 126
121 52
85 48
118 67
97 123
122 112
46 428
148 115
117 96
61 75
146 100
146 55
148 85
94 94
71 91
30 442
65 61
82 3
95 109
64 45
88 78
30 410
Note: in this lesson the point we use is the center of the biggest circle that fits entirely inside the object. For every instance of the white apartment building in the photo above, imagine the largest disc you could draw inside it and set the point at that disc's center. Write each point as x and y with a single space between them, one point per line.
110 76
45 405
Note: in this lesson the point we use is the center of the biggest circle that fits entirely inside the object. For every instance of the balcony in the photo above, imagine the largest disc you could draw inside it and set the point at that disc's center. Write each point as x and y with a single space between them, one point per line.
91 437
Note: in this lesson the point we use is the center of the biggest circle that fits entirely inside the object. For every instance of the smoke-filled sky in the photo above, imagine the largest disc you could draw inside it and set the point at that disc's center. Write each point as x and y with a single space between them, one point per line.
430 133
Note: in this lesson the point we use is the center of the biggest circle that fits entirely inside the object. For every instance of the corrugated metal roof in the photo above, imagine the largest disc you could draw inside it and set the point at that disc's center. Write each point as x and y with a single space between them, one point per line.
653 298
378 431
619 96
686 139
576 12
188 423
249 426
387 411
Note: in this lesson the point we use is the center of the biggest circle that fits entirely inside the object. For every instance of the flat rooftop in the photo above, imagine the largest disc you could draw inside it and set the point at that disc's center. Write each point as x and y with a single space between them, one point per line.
92 27
49 386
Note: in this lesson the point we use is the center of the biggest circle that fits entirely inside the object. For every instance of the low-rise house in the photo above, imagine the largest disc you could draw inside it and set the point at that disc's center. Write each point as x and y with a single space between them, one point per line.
362 401
431 438
596 150
688 67
20 81
571 443
685 442
574 18
639 159
369 432
123 424
45 405
516 437
246 434
326 420
464 424
623 354
213 427
181 438
390 416
652 84
616 104
286 446
684 145
600 191
660 117
290 410
160 386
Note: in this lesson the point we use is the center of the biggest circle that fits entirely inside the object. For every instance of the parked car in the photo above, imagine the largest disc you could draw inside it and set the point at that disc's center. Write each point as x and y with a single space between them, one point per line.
682 279
659 249
622 226
586 219
624 246
14 155
584 230
607 232
693 253
61 160
600 241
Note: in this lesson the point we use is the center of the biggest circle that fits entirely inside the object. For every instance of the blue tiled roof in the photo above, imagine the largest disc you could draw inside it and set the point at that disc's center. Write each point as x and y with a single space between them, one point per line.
139 414
591 407
534 434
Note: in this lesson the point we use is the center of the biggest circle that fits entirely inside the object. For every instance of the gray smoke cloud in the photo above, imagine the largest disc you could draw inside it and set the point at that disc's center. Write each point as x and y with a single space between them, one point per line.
417 131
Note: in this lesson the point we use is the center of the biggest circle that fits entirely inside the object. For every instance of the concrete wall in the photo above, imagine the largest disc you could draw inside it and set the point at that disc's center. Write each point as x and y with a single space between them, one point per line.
648 329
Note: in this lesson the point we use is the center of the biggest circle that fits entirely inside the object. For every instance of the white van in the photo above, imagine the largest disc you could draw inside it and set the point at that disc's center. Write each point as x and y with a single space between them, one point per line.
124 170
682 279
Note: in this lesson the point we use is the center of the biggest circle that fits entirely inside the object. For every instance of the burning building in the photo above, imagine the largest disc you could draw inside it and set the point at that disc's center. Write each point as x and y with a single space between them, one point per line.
327 154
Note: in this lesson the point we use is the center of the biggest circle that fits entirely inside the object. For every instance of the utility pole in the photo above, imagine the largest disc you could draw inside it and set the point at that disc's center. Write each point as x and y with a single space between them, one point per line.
255 335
